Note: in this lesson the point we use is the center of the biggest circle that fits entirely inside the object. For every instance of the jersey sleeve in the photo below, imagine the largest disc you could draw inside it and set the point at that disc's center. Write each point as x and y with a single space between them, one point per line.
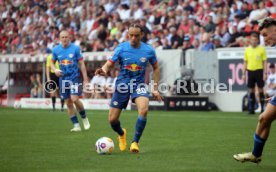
153 58
54 55
79 54
116 54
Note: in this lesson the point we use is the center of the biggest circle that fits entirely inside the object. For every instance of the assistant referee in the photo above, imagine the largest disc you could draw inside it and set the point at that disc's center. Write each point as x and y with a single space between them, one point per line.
255 63
53 82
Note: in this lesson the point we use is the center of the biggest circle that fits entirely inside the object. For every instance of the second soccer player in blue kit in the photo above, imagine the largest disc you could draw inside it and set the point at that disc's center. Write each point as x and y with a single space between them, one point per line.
71 64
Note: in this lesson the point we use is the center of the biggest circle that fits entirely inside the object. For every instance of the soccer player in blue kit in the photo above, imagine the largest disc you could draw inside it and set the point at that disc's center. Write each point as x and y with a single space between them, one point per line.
71 63
133 57
268 31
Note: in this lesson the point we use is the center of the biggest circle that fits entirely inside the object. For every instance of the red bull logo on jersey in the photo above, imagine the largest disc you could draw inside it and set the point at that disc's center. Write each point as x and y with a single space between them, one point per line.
133 67
65 62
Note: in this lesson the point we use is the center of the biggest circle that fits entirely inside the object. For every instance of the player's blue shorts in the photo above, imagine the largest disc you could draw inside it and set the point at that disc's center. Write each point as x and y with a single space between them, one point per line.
70 87
273 101
120 99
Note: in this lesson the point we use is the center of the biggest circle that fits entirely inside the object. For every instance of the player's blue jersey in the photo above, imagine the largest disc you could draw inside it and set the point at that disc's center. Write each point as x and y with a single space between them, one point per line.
68 60
133 61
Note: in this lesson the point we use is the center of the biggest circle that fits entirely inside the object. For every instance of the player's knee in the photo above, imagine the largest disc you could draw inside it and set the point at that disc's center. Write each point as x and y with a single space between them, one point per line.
112 120
263 119
74 99
143 111
70 105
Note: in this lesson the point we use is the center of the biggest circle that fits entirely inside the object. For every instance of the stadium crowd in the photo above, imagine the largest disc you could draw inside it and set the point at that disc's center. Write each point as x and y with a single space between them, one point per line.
32 26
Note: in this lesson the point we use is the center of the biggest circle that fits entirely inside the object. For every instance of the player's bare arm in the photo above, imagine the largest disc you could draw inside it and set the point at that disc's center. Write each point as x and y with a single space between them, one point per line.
83 71
57 71
156 76
244 70
48 73
104 69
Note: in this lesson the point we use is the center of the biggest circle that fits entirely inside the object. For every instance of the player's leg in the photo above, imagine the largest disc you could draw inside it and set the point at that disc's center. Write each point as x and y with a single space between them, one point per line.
261 135
142 104
81 110
263 128
72 115
53 97
65 93
54 83
61 100
56 79
260 84
76 92
118 102
251 87
113 118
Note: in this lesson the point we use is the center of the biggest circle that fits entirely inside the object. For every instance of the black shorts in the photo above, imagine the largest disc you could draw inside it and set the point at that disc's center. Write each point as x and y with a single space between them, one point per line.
55 79
254 77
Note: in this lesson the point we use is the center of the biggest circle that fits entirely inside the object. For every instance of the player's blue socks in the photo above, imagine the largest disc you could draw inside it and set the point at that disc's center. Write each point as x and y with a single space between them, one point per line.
258 145
116 126
74 119
82 114
140 125
62 104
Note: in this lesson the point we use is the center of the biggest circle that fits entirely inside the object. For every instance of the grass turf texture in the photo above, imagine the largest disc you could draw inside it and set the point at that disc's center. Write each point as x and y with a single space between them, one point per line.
39 140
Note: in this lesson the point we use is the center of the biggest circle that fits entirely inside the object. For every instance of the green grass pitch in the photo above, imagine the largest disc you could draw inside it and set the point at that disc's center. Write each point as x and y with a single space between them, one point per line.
39 140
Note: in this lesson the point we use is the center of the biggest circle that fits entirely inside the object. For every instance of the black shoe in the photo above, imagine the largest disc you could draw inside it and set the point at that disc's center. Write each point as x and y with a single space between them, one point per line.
61 109
251 112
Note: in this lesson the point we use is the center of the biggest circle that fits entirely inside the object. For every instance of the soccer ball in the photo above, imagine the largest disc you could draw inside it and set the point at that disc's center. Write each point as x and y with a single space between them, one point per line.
104 145
17 104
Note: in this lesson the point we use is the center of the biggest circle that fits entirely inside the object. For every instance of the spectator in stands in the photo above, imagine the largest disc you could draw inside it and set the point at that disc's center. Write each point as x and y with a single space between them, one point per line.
39 85
34 86
6 84
233 37
224 32
98 86
210 26
109 84
35 29
217 42
196 44
146 30
186 44
185 85
175 38
207 43
258 12
85 47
